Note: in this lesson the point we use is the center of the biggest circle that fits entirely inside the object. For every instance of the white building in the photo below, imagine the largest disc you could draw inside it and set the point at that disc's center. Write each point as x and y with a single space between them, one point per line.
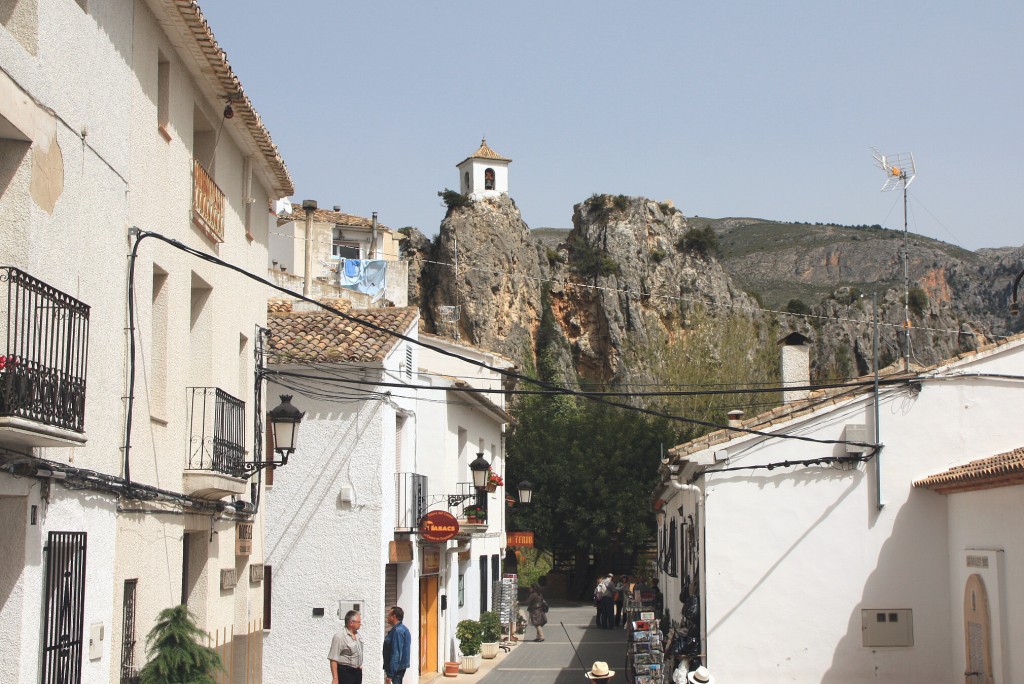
374 454
814 557
337 239
483 173
117 114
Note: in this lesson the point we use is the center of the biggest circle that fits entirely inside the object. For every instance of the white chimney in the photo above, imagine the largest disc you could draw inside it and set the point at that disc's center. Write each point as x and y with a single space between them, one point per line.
796 366
736 418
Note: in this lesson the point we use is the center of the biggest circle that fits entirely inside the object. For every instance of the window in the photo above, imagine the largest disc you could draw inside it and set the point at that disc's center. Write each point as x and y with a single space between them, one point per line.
267 574
344 249
465 182
462 590
128 673
163 94
483 583
158 345
488 179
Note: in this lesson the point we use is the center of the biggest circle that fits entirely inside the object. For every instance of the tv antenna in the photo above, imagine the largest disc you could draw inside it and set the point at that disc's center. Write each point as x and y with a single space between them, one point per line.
900 173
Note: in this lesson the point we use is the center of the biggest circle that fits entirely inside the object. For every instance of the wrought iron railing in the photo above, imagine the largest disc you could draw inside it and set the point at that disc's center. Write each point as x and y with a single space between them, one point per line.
216 431
467 498
64 608
45 338
410 499
207 203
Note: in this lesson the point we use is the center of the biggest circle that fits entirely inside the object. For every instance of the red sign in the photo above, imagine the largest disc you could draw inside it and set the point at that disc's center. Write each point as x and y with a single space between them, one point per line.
438 526
523 539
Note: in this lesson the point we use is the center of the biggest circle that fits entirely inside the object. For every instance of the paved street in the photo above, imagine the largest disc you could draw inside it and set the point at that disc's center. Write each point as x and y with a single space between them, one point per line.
553 660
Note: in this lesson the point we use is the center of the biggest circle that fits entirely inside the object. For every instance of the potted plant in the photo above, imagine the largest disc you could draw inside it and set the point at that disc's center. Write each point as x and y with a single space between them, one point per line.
493 481
475 514
176 651
469 633
490 625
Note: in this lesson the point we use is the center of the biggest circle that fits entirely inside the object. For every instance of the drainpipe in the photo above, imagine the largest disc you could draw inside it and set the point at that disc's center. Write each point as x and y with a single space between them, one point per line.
373 238
309 206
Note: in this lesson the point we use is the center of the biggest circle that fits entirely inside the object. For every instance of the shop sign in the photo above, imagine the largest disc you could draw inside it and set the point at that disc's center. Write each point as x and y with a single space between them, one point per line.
243 538
400 551
438 526
521 539
431 559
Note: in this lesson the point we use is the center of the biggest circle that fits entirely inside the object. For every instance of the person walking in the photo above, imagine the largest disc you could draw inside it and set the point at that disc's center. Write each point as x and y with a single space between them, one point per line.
346 654
397 644
619 597
606 611
535 606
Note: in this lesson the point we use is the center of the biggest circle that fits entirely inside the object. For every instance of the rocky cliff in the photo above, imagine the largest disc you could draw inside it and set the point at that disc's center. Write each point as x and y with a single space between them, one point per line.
631 272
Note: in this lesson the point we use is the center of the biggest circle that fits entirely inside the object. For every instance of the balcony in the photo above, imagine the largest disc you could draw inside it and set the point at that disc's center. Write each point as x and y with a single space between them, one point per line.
216 444
44 335
410 500
207 203
472 511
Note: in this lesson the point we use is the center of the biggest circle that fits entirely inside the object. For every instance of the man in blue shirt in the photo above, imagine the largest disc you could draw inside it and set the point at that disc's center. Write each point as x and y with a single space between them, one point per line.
397 645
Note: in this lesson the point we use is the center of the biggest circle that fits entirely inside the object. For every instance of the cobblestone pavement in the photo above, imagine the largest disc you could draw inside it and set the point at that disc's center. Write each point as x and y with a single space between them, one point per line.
553 661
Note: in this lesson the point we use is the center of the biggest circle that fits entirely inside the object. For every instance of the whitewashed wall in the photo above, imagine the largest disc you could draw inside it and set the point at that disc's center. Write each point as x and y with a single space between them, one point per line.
791 556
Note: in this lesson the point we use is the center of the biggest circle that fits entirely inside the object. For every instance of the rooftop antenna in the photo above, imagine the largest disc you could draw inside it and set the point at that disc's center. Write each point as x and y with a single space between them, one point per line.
900 173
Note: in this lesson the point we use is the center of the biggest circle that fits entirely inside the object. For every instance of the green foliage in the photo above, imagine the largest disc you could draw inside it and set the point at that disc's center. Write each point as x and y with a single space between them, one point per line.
700 241
591 262
666 208
797 306
553 256
718 352
406 231
490 627
453 199
533 564
918 300
658 255
620 202
175 651
470 636
593 468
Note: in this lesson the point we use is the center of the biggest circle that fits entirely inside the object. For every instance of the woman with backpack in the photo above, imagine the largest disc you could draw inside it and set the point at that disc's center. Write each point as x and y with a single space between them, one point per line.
536 606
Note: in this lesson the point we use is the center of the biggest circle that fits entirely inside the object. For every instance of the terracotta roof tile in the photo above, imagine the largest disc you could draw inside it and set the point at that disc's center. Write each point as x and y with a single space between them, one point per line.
320 336
328 216
484 152
1001 470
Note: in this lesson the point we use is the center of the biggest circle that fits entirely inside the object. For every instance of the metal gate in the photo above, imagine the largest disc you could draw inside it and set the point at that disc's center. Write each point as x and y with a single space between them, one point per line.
128 672
64 612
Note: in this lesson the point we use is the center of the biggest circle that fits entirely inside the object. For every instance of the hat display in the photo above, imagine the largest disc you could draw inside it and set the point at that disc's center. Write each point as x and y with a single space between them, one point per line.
600 670
700 676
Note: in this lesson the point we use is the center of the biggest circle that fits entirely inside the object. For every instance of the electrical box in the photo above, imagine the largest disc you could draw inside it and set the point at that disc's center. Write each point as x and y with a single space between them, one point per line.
345 495
856 433
95 641
345 605
887 626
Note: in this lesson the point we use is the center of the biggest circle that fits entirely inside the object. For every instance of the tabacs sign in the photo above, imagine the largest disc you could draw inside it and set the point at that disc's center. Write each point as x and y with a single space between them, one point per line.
438 526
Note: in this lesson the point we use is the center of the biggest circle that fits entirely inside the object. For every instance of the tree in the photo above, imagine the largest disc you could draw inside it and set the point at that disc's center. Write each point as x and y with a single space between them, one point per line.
797 306
176 653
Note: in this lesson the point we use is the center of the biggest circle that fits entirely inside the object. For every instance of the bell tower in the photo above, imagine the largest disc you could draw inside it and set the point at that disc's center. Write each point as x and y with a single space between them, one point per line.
483 173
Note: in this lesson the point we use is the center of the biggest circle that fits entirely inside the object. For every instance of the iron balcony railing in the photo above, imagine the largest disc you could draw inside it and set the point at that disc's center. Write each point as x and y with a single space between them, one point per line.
469 498
216 431
45 338
410 499
207 203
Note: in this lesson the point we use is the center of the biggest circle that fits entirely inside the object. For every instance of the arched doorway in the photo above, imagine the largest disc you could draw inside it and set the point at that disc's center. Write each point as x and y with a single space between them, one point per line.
977 632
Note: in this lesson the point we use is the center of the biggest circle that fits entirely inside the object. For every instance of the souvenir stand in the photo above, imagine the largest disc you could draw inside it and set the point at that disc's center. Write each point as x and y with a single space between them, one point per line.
645 658
507 607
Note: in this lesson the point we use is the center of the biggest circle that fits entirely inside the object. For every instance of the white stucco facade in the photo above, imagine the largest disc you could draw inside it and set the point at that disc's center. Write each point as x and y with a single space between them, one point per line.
334 511
789 557
102 111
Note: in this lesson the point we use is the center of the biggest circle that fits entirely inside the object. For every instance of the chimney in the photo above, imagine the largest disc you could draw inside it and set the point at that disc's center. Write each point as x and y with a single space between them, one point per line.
735 418
796 366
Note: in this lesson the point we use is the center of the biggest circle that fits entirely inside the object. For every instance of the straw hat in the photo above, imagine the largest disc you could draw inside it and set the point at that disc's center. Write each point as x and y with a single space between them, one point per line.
600 671
700 676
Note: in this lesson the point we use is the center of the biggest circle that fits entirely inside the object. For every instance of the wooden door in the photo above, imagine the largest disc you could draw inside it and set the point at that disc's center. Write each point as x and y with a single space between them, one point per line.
977 632
428 624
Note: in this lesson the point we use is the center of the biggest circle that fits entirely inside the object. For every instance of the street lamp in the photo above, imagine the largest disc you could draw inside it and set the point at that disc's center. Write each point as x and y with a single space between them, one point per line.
525 492
284 424
481 470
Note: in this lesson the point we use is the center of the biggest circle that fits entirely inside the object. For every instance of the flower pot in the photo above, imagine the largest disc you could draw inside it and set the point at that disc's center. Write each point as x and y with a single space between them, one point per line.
470 664
492 486
489 649
451 669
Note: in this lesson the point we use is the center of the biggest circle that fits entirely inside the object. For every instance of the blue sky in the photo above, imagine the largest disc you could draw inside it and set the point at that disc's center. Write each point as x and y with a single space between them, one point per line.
728 109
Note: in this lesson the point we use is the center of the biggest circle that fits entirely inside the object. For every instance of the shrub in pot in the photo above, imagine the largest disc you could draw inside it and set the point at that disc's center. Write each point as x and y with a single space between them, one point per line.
490 625
469 633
